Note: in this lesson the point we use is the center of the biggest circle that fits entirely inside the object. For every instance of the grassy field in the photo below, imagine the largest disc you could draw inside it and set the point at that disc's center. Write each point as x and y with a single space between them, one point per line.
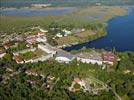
31 55
80 17
76 38
85 34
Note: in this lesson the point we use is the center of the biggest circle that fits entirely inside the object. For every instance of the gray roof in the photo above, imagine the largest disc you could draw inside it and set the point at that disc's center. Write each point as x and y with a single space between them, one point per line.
62 53
90 55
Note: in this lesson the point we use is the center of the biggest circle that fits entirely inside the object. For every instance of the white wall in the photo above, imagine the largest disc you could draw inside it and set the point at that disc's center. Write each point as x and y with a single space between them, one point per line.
24 51
89 61
44 48
62 59
2 55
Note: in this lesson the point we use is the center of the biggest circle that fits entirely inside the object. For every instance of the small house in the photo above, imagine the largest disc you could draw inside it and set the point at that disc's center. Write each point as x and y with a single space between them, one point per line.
18 59
11 44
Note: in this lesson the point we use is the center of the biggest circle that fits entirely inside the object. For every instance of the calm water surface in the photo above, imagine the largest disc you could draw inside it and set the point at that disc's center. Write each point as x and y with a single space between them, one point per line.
33 12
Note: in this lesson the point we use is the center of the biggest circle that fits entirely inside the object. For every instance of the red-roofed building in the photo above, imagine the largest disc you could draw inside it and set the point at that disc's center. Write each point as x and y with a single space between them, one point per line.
109 58
77 80
40 34
31 40
18 59
11 44
39 37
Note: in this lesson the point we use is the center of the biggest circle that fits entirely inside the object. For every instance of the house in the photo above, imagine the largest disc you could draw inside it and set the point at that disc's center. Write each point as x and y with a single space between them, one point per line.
11 44
29 45
59 35
2 52
45 52
39 37
40 5
42 30
63 56
47 48
90 57
39 34
66 32
18 59
63 33
109 58
79 81
31 40
77 30
30 72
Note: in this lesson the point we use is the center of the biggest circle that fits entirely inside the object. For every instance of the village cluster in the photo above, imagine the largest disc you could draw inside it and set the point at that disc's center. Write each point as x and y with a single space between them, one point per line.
39 50
90 84
46 82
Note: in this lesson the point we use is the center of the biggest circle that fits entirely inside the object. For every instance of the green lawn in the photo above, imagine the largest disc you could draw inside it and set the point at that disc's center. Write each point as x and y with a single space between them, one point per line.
80 17
29 55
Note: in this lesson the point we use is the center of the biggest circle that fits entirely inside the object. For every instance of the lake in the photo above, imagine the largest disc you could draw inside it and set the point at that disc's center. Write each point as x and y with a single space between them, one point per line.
38 12
120 35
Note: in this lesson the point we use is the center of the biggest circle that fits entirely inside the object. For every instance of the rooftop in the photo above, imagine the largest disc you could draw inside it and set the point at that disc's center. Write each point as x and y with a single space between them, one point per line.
18 58
108 56
61 53
10 44
90 55
47 48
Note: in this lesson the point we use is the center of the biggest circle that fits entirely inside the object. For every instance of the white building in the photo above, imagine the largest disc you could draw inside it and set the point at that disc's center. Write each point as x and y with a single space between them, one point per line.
59 35
42 30
48 49
18 59
41 39
2 55
24 51
64 57
66 32
92 57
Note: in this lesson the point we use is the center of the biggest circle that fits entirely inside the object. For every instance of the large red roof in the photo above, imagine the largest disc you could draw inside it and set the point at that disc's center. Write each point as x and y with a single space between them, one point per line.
109 56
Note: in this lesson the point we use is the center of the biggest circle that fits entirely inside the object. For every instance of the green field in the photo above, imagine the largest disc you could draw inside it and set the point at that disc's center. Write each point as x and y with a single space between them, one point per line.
32 55
80 37
80 17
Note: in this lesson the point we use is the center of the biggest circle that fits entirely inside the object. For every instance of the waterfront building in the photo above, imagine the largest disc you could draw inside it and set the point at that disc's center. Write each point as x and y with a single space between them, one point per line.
63 56
90 57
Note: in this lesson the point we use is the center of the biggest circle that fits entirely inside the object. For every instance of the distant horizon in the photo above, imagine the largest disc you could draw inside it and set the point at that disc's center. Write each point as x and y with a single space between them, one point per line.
20 3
